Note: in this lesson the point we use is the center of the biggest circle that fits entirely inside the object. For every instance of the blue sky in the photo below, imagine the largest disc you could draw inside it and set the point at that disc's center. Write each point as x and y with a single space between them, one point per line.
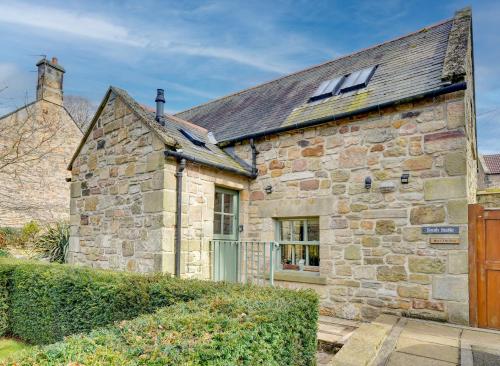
198 50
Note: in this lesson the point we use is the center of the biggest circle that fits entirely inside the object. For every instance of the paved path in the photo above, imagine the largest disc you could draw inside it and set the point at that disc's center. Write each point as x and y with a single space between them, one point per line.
393 341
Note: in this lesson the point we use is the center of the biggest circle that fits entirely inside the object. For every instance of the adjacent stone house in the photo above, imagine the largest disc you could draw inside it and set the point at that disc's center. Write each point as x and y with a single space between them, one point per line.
36 143
489 171
345 165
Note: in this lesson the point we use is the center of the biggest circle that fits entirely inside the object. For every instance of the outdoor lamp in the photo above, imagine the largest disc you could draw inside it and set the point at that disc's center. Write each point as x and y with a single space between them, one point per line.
368 182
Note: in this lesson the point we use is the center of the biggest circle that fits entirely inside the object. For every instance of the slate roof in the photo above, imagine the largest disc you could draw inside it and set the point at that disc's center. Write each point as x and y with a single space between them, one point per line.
407 67
171 135
492 163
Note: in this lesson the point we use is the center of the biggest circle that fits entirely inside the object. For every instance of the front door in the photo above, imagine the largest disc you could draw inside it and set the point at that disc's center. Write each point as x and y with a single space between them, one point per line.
488 267
225 244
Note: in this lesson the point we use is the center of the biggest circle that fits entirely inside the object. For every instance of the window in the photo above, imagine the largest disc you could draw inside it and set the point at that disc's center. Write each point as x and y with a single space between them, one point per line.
299 244
225 214
327 89
358 79
192 137
342 84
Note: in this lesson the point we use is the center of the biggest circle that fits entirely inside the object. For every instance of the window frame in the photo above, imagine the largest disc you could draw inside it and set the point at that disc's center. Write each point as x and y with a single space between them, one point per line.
305 243
235 214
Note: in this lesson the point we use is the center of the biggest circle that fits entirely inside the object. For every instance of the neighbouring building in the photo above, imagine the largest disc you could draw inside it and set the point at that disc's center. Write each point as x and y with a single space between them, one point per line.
36 143
489 180
346 166
489 171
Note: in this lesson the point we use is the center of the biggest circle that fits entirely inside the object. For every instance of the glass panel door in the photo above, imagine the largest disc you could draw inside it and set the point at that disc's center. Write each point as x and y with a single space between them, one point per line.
226 234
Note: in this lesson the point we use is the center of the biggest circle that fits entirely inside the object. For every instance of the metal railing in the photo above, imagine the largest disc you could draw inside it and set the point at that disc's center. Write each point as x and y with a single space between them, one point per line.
251 262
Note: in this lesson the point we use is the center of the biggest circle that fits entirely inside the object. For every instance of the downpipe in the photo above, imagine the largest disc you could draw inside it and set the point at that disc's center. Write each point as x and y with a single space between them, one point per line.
178 215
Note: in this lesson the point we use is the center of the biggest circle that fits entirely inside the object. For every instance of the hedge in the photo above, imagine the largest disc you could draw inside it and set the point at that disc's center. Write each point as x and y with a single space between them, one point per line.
183 322
50 301
247 327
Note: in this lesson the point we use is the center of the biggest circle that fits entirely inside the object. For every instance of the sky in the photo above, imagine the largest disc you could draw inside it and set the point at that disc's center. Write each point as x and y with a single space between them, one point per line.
201 50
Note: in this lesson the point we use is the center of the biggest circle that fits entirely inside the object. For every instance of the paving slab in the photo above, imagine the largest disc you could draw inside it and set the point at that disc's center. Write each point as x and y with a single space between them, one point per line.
482 338
437 351
404 359
485 356
432 332
364 344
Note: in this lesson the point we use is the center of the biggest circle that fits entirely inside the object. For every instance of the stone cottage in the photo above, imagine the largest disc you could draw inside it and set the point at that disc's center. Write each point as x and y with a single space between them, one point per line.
489 171
347 166
36 143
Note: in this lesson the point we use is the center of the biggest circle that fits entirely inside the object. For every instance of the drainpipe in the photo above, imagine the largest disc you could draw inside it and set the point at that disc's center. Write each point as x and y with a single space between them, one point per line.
254 158
178 216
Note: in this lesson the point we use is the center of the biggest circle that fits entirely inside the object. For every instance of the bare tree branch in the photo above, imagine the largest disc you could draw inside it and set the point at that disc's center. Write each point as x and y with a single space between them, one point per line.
81 109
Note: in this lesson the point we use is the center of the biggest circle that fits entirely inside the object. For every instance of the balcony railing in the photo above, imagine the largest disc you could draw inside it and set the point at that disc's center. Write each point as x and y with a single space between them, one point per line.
250 262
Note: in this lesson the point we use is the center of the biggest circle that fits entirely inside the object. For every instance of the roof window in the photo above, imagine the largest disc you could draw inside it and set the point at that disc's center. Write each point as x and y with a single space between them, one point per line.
358 79
343 84
327 89
192 137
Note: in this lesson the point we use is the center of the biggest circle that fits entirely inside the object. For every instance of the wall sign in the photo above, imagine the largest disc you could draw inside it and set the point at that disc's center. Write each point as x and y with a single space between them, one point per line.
444 240
440 230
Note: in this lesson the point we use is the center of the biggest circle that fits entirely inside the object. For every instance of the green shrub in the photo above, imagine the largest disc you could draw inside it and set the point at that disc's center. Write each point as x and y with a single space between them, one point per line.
246 326
19 237
50 301
4 253
196 323
53 243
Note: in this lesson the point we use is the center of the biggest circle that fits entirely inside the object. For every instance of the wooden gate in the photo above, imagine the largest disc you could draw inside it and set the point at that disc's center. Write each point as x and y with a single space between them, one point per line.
484 267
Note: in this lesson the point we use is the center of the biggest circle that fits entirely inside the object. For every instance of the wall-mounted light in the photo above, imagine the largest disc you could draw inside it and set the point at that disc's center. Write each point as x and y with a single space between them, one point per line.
368 182
405 178
269 189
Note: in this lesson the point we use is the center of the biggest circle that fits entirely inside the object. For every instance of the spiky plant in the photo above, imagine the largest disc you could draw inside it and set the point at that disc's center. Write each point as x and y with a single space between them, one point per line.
53 243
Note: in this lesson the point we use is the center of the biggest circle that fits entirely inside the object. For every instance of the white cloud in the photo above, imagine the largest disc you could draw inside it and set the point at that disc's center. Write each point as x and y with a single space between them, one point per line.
16 87
56 19
172 40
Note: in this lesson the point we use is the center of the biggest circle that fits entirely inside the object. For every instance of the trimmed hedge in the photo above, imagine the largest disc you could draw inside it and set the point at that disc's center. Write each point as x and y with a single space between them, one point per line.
50 301
195 323
246 327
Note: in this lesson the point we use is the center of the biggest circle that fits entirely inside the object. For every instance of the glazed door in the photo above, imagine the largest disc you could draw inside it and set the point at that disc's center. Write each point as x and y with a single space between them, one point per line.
226 235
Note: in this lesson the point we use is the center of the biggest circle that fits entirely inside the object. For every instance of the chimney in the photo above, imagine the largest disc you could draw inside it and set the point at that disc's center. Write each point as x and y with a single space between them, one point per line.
50 81
160 104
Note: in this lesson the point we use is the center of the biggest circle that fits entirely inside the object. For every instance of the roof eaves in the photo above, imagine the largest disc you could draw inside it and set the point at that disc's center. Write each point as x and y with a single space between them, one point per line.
333 117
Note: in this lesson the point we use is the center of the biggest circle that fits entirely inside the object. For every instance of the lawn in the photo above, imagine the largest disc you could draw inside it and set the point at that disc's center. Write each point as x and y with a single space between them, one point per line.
9 346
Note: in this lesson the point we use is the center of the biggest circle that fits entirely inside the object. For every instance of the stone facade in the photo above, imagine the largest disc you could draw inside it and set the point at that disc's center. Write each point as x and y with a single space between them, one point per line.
118 195
123 199
34 186
374 257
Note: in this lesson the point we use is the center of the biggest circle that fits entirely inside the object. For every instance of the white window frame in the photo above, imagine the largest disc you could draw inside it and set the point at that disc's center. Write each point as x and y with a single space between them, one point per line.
306 243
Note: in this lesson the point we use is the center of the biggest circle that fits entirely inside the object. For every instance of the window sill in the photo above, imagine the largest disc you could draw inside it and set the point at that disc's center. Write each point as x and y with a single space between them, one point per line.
296 276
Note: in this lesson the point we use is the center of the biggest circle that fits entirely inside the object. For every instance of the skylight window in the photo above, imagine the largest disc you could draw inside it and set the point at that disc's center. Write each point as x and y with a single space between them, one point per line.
327 89
343 84
358 79
191 137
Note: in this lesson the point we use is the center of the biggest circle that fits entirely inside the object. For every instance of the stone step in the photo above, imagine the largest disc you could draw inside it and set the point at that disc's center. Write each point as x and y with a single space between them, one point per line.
334 330
329 338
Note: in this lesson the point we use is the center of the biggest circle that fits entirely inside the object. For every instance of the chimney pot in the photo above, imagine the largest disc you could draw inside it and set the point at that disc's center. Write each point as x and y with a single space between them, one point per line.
54 60
160 104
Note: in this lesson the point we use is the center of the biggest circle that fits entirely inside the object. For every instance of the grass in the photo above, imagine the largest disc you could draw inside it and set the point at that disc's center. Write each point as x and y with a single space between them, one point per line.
10 346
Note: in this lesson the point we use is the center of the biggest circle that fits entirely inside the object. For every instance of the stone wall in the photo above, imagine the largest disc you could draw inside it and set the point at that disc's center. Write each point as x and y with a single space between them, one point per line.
198 192
118 195
373 256
34 187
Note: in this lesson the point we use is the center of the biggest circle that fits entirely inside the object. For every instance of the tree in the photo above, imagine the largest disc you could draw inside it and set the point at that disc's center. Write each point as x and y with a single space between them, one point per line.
81 109
29 136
